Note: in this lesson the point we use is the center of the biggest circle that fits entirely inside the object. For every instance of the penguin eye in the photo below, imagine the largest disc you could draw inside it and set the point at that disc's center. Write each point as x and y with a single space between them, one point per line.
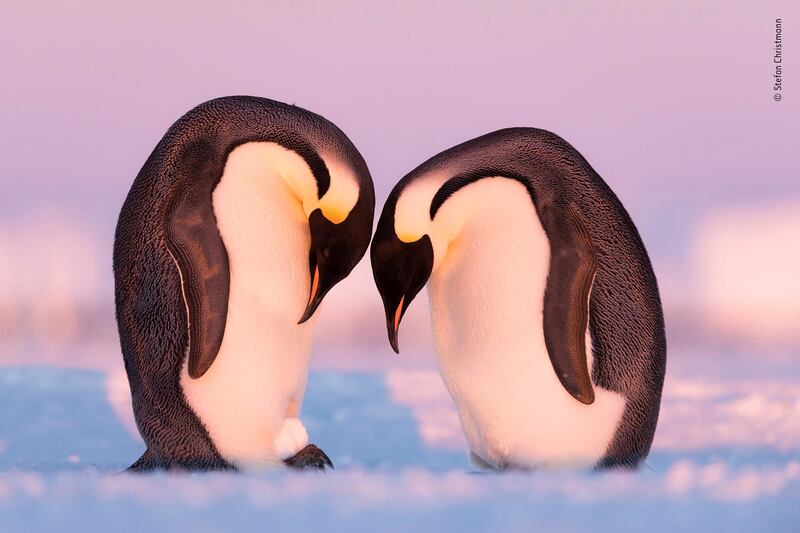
401 275
326 252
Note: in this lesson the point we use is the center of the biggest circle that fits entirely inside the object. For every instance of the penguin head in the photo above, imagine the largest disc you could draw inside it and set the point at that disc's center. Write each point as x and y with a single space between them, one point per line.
336 248
401 269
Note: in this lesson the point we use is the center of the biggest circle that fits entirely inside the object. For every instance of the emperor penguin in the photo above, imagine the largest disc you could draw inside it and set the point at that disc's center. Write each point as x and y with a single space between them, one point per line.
546 315
244 216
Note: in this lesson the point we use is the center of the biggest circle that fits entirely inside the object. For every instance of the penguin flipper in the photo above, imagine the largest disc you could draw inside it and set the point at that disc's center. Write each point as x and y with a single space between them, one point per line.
573 263
196 245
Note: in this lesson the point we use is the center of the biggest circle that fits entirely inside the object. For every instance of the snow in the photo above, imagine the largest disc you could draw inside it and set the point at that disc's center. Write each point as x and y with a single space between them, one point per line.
726 455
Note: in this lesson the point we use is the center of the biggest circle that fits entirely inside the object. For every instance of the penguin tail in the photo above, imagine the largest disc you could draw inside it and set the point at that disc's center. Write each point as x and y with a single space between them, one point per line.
145 463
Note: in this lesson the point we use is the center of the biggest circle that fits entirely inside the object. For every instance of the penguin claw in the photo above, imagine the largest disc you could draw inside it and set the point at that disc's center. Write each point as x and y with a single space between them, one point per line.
309 458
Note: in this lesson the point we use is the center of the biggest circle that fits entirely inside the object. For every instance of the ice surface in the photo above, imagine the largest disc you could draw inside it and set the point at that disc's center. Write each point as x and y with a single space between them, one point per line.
726 455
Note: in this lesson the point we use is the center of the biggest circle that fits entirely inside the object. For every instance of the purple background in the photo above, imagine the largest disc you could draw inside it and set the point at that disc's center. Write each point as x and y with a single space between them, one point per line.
671 103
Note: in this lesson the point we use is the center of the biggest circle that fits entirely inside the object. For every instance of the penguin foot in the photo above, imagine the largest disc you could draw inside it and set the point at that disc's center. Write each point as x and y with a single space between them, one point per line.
309 458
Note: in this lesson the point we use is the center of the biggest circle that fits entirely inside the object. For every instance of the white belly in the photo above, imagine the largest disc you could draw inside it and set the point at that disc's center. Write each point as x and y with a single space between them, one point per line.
486 305
258 379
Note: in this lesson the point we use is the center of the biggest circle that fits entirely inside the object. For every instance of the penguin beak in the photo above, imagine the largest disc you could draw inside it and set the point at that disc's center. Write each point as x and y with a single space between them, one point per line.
315 298
393 324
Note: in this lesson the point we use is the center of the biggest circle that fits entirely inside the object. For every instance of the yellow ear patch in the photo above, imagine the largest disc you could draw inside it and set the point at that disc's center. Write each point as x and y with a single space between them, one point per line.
342 194
407 236
334 213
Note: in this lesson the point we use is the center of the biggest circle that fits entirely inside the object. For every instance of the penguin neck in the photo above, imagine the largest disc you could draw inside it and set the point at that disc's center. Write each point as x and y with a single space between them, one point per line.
338 200
471 204
412 215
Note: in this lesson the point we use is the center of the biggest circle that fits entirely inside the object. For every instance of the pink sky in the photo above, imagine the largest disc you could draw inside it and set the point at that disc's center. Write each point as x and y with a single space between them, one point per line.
671 102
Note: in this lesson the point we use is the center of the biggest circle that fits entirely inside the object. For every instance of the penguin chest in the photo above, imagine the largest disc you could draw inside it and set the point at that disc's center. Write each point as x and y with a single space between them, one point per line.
258 378
487 300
